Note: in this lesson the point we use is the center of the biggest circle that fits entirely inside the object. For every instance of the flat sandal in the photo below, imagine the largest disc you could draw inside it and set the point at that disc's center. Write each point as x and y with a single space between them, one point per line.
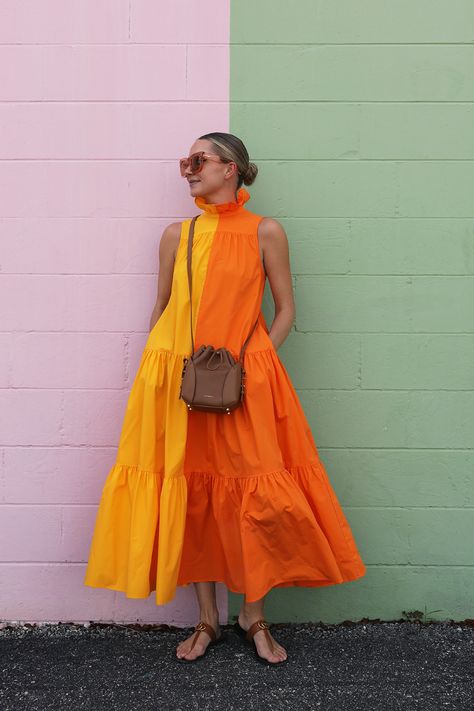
248 637
202 627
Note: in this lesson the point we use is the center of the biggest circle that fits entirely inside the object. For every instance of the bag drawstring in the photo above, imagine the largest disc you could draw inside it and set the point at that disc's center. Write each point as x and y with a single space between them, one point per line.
218 352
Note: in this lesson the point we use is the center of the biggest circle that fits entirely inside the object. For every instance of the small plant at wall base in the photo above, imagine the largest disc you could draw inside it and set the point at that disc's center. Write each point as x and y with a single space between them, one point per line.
418 616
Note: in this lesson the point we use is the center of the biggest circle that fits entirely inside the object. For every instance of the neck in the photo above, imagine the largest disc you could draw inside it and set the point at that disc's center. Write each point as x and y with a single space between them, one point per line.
220 196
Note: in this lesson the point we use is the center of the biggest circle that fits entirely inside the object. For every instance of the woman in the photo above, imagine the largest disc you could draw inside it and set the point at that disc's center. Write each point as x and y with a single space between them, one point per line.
204 497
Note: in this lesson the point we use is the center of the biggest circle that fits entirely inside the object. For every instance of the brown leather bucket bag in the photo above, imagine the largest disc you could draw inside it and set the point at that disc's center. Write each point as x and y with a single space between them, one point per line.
211 380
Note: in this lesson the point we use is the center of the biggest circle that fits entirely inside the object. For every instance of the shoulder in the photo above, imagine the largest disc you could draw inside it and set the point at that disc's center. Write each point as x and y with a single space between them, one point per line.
172 231
271 227
272 232
170 238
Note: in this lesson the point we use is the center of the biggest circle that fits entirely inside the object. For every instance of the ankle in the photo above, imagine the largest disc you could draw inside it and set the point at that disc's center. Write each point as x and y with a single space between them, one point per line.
210 615
250 616
253 610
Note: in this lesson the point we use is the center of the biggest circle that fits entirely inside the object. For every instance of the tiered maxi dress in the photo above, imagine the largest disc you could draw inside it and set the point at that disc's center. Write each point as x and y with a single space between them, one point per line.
195 496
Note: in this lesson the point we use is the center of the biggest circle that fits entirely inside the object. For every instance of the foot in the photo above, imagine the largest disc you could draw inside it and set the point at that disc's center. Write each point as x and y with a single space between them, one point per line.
184 648
274 654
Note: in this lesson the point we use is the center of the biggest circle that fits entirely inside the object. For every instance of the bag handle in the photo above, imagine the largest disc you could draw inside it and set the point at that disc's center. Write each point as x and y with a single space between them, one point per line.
190 246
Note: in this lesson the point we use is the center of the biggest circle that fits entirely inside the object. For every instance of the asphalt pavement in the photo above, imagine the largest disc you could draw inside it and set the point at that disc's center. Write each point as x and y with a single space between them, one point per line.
383 666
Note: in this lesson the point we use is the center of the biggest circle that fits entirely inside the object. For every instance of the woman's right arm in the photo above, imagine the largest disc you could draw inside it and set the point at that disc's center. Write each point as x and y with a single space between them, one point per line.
167 254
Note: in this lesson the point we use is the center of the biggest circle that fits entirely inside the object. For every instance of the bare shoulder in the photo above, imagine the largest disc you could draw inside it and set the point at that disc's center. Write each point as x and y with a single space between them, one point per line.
272 234
170 240
172 231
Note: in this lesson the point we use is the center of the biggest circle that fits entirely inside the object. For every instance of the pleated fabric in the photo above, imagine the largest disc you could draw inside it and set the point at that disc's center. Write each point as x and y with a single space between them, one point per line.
195 496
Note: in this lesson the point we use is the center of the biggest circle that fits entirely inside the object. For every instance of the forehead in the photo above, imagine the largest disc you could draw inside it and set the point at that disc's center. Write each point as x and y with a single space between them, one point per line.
201 145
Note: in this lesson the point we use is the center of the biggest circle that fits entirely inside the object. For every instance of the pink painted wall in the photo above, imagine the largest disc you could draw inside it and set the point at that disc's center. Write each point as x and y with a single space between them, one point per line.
98 100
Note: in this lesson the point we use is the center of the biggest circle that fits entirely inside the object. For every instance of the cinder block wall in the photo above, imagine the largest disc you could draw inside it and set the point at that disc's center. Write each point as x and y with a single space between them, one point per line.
360 118
97 103
359 115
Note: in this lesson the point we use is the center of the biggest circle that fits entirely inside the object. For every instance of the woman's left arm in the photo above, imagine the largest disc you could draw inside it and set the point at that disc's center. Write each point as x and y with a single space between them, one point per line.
276 258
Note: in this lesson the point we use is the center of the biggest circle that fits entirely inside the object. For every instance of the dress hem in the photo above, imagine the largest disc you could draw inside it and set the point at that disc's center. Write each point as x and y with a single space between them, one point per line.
137 493
303 583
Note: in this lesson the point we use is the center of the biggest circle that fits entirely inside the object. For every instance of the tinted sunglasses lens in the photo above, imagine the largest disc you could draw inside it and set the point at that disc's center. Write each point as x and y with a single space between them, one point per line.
196 163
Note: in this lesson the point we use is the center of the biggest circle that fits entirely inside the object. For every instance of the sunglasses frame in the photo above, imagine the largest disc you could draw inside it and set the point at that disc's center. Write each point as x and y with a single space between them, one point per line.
185 163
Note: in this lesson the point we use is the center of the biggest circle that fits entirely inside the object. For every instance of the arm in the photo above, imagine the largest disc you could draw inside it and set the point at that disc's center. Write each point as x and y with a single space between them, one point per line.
277 266
167 253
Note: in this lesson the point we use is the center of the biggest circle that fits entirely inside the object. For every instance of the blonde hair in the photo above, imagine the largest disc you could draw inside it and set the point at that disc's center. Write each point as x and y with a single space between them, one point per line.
230 148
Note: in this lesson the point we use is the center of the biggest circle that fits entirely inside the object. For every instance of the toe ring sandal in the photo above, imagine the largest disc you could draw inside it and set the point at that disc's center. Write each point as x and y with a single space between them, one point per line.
248 635
203 627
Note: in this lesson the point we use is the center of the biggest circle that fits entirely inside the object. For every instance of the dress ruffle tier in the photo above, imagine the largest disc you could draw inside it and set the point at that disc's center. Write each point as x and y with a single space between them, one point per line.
250 531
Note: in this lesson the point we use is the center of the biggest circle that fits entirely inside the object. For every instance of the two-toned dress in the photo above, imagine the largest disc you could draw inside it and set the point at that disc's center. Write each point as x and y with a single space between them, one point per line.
194 496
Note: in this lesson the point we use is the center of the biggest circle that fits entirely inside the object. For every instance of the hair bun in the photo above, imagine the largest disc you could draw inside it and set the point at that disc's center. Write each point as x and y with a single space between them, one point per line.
250 174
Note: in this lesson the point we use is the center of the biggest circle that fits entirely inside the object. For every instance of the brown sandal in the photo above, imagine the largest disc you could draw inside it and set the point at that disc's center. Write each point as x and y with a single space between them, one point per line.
249 634
203 627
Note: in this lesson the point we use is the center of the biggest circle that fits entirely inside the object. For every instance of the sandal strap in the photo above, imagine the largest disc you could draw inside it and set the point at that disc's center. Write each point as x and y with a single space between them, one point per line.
204 627
256 627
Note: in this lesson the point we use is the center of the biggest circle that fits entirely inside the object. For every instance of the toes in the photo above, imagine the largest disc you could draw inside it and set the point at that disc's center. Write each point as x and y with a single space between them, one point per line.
278 649
278 653
184 650
189 654
181 653
274 658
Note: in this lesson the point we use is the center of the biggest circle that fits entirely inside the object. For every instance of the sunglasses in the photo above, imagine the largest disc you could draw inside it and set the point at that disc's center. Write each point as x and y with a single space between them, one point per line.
196 161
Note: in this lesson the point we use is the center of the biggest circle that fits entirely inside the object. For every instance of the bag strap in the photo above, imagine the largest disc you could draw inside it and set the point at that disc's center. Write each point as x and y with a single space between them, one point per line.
190 246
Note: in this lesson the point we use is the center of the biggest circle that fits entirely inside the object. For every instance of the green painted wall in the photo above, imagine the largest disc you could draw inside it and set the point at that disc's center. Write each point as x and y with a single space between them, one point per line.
360 117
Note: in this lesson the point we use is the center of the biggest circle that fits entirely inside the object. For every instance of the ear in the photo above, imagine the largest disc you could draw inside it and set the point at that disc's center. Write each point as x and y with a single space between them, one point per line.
231 169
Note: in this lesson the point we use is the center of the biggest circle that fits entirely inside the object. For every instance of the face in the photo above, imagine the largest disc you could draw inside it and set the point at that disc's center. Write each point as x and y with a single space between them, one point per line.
214 176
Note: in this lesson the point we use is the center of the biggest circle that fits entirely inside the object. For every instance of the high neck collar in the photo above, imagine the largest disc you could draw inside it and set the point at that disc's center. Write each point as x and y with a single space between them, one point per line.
224 207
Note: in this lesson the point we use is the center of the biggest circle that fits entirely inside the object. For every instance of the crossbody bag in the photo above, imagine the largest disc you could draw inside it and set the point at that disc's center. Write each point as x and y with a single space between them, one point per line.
211 379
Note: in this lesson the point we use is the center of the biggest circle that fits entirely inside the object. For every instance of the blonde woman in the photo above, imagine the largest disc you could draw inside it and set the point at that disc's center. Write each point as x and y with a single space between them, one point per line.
202 497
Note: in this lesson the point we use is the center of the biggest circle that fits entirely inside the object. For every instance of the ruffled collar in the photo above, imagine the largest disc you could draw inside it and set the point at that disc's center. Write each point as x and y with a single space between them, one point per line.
224 207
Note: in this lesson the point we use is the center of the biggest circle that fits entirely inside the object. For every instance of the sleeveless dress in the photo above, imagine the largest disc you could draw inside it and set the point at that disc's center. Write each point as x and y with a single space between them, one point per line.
196 496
